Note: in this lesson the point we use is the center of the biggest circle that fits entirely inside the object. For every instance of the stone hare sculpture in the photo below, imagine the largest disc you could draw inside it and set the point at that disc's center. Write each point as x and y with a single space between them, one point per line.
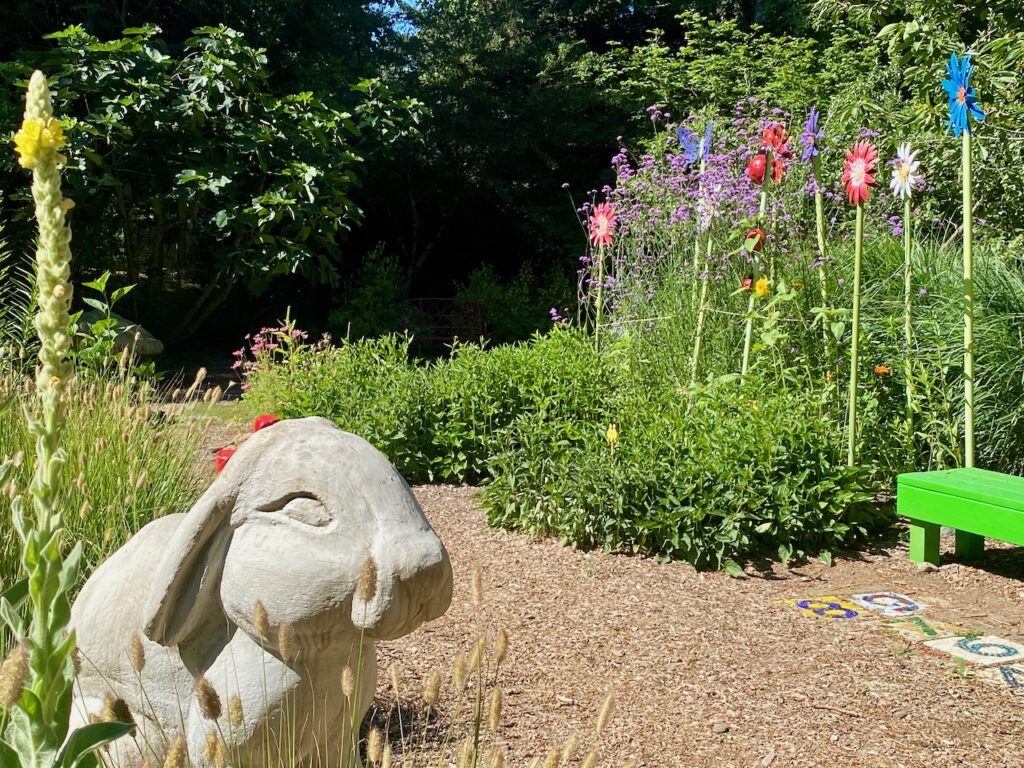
228 629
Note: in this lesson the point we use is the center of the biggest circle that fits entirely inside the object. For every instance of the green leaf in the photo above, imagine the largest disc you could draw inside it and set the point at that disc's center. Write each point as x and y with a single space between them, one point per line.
96 304
826 557
99 284
84 740
120 293
8 757
785 553
733 568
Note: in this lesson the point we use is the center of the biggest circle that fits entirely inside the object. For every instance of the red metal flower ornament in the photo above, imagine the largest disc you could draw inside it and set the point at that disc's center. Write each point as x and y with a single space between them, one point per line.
756 168
859 172
602 224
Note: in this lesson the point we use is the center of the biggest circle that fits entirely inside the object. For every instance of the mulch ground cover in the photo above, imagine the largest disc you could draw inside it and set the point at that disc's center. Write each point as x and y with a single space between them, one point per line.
708 670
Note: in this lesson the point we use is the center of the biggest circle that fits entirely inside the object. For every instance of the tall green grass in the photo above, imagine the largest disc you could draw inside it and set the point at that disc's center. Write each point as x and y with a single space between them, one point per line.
130 460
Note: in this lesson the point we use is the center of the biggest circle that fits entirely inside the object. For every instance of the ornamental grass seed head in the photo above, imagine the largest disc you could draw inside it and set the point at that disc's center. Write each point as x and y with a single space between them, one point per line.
209 701
500 648
432 689
138 653
13 674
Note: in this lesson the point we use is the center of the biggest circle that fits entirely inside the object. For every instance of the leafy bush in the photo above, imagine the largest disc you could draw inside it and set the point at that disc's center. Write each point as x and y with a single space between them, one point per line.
731 469
517 308
726 471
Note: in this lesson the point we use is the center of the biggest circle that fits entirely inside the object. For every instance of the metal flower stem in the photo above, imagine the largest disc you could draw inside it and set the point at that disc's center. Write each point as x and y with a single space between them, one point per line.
702 313
908 335
851 454
599 298
819 218
696 239
748 334
968 306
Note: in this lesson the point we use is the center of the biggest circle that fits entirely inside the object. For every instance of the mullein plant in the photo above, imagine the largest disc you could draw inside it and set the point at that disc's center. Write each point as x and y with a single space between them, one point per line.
963 104
859 176
37 677
906 179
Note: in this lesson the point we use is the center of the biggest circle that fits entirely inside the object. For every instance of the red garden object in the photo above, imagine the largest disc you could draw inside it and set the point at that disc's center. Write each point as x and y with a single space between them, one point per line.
220 459
756 168
264 420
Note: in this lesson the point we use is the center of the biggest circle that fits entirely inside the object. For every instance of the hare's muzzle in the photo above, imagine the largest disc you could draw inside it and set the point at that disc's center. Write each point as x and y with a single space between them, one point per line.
399 588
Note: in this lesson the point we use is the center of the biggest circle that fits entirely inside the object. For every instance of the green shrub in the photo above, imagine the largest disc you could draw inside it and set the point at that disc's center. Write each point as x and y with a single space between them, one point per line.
730 469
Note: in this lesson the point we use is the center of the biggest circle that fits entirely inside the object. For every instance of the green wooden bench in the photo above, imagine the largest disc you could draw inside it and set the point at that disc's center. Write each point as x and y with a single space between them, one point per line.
976 502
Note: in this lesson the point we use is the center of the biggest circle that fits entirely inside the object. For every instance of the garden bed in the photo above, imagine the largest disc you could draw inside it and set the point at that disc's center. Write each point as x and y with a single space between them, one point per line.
708 670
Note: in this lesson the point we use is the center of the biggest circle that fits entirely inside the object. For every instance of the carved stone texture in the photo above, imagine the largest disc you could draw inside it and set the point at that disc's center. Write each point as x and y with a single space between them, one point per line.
307 549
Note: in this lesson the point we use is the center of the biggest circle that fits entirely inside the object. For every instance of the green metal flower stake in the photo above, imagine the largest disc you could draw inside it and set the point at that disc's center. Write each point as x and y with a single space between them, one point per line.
602 228
858 175
906 177
963 104
37 695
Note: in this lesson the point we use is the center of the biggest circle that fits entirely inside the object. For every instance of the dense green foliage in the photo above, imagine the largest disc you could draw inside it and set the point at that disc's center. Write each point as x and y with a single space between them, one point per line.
516 98
704 476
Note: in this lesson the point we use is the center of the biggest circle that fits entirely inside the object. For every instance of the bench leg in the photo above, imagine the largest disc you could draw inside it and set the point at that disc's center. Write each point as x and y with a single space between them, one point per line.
969 546
924 542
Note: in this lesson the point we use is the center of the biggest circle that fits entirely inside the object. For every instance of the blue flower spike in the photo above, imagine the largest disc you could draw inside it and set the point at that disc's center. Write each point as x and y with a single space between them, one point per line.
963 102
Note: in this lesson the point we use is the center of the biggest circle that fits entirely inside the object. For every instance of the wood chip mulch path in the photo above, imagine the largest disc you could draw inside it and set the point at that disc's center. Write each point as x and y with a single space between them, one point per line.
708 670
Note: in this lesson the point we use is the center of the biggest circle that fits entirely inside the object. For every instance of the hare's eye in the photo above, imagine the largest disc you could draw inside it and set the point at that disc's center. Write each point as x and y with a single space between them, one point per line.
307 510
302 509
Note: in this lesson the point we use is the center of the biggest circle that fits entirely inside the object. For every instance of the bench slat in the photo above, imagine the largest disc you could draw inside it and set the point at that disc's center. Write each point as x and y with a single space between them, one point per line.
979 516
969 483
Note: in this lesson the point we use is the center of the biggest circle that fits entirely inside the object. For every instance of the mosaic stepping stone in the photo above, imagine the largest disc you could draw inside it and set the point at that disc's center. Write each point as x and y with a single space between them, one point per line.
915 629
826 607
890 604
987 650
1011 676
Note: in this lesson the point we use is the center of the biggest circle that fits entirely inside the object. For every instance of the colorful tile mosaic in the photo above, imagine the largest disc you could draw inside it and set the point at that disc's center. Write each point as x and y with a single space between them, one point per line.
890 604
915 629
826 607
987 650
1004 676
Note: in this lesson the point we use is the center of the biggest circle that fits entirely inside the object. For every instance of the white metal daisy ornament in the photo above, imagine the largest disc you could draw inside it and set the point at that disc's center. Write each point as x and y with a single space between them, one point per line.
906 172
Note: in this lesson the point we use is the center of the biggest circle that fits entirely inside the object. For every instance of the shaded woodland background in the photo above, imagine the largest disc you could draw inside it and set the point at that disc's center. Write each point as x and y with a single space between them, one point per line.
340 157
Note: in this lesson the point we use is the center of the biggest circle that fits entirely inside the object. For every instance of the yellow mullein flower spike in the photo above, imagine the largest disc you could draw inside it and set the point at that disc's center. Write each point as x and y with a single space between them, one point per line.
35 138
612 435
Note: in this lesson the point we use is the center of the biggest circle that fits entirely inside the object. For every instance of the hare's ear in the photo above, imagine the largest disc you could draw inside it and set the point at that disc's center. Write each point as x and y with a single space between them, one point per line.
184 597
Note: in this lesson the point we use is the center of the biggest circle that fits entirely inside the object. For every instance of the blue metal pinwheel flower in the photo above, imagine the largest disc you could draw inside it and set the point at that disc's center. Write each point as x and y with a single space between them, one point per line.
811 136
689 143
962 101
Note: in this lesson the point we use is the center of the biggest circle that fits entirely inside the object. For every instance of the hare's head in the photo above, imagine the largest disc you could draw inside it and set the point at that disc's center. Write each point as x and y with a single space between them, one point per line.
317 526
